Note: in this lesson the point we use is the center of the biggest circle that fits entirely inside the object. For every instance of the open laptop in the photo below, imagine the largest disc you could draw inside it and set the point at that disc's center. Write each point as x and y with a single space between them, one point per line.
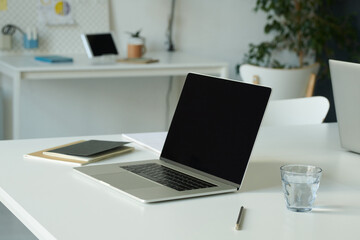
346 88
207 147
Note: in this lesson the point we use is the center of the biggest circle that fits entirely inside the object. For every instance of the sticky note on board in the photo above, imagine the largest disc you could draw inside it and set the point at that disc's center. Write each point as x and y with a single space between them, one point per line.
3 5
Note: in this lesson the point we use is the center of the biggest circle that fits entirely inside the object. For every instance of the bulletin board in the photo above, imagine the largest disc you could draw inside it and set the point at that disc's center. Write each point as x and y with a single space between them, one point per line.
87 16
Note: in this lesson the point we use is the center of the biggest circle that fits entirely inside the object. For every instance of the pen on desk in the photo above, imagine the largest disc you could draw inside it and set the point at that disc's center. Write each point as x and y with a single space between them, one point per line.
237 226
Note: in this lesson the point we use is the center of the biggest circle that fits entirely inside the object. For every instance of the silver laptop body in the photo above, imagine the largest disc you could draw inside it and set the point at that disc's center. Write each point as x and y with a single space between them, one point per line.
211 137
345 78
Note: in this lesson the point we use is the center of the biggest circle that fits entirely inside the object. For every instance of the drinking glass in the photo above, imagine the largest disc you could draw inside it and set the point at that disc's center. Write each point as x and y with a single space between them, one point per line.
300 184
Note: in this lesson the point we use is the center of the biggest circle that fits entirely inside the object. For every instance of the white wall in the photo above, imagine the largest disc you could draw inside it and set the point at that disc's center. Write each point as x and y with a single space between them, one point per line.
211 28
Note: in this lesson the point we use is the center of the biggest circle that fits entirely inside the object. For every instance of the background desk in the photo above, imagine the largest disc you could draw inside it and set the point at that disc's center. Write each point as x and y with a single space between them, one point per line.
54 202
20 68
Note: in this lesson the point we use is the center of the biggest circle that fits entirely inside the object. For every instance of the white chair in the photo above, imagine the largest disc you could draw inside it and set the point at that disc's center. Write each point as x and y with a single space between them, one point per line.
285 83
296 111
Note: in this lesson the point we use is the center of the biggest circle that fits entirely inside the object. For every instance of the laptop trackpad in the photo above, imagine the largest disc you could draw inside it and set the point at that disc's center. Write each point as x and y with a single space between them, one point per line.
125 180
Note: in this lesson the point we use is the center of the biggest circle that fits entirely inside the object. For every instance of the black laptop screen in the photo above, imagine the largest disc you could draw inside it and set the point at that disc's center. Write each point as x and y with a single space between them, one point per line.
215 125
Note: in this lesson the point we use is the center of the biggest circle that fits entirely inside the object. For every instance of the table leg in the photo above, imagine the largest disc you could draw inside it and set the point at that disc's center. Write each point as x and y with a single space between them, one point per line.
16 108
224 72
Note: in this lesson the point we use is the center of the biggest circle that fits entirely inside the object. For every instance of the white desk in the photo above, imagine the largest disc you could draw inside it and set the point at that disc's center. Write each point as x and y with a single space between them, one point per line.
20 68
54 202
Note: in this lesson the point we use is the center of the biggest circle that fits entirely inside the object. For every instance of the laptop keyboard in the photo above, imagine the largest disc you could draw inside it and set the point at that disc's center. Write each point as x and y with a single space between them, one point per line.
168 177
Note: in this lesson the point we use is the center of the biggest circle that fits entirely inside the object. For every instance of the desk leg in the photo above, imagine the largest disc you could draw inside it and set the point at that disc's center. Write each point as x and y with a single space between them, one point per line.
16 107
224 72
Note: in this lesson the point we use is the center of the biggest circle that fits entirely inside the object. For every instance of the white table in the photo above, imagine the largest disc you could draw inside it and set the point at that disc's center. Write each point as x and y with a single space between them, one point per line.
54 202
24 67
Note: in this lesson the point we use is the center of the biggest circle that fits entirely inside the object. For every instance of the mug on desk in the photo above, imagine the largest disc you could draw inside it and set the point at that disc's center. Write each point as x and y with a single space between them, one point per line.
136 48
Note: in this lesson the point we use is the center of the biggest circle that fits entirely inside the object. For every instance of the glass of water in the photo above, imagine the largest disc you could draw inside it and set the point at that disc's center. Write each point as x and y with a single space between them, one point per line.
300 184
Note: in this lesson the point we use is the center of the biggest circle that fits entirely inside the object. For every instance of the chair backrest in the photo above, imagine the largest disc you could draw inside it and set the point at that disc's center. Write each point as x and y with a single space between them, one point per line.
285 83
297 111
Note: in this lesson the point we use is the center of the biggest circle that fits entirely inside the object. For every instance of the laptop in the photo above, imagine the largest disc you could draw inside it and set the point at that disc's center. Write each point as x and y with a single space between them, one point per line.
346 89
206 150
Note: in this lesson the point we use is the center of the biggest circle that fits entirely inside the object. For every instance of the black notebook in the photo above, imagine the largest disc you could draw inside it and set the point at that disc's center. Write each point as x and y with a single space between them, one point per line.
86 149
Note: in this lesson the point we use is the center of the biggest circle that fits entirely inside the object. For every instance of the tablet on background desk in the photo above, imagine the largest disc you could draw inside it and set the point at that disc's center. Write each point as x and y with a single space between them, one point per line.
99 44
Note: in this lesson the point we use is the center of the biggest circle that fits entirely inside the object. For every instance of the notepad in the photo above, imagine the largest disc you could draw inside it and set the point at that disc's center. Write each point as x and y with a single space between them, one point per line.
86 150
53 59
49 154
138 60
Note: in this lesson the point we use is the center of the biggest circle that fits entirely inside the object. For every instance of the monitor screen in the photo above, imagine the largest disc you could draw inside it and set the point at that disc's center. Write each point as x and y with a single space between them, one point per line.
215 125
99 44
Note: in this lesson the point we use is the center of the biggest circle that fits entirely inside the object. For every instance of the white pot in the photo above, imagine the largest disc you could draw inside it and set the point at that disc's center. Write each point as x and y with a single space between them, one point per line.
285 83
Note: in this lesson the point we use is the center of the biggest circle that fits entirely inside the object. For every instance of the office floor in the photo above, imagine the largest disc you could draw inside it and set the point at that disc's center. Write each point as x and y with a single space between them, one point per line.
11 228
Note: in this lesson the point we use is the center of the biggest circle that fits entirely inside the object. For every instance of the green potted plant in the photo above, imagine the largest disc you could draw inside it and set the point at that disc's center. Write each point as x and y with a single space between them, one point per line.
306 28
